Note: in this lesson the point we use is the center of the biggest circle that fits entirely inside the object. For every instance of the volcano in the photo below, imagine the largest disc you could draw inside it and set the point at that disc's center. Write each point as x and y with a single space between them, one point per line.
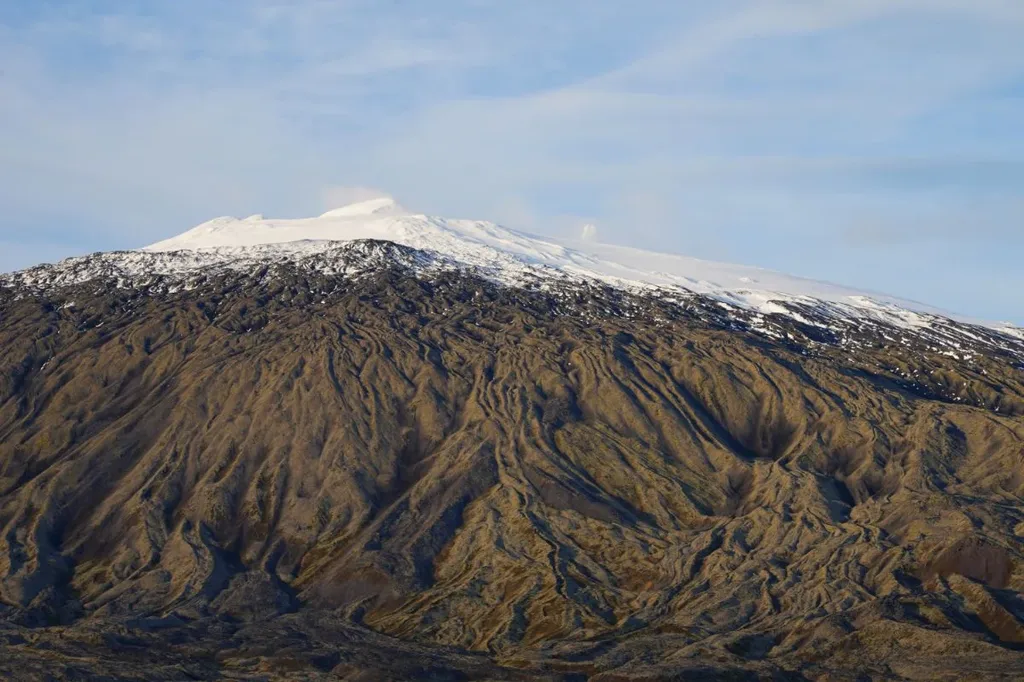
377 444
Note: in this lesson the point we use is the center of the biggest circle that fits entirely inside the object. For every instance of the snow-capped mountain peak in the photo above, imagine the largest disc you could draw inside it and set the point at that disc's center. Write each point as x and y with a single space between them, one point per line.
498 253
512 256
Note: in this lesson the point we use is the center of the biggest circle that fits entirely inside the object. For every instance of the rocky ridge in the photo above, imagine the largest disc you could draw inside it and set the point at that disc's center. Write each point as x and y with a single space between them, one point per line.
369 460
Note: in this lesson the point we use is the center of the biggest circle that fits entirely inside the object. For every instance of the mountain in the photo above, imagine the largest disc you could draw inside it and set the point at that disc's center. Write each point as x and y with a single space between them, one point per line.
383 445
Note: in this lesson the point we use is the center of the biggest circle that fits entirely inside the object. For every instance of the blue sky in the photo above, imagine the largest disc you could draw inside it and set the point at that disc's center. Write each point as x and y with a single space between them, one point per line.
877 143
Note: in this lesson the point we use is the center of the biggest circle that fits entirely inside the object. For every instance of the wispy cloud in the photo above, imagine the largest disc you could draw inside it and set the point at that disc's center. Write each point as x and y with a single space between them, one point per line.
828 138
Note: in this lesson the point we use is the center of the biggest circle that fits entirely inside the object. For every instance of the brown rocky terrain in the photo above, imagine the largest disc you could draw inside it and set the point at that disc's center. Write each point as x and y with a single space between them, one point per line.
292 475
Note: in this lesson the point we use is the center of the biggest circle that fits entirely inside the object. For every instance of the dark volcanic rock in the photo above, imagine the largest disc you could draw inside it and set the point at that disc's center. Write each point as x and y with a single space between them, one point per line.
287 474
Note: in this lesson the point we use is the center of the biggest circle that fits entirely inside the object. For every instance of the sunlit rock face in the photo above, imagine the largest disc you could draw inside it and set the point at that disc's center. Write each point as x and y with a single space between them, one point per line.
381 445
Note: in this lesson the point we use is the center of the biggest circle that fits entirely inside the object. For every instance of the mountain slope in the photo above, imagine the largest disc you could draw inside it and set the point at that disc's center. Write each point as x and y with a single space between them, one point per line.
367 456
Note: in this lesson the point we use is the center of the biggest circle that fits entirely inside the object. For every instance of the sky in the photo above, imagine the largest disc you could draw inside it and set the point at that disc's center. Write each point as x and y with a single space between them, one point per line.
874 143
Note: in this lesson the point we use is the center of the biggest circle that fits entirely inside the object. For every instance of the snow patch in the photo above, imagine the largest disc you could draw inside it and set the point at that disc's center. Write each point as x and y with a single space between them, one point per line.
503 255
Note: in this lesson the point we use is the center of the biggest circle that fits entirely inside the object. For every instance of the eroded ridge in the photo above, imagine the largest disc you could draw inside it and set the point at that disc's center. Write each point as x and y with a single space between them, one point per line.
290 470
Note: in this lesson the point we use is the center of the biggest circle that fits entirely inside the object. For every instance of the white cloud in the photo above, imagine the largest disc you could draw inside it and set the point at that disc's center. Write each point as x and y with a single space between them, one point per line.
338 196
